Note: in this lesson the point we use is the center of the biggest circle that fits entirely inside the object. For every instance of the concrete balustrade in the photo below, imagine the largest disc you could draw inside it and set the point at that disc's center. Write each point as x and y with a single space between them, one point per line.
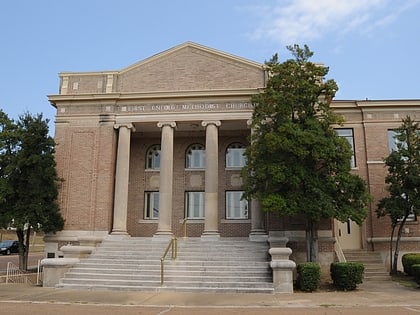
282 268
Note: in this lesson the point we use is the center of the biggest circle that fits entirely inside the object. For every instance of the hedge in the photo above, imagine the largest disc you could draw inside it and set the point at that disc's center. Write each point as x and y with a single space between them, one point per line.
408 260
309 276
415 269
346 275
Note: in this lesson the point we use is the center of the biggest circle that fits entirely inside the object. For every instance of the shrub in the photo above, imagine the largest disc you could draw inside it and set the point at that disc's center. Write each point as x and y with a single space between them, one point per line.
415 269
346 275
309 276
408 260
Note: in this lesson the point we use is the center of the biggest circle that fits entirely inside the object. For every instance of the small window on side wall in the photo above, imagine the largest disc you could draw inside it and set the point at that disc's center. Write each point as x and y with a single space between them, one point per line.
347 133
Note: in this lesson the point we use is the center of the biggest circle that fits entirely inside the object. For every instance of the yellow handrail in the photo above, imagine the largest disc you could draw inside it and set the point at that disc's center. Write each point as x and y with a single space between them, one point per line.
173 244
184 226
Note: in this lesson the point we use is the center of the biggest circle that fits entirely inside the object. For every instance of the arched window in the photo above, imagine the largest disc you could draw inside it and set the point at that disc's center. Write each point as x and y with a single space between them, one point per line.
153 157
195 156
235 155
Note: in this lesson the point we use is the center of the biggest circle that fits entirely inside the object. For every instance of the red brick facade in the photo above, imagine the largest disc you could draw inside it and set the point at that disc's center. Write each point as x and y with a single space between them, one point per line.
187 85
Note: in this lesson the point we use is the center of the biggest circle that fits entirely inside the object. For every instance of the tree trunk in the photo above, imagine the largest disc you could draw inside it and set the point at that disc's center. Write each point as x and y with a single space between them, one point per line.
391 246
20 236
397 246
26 252
23 248
312 241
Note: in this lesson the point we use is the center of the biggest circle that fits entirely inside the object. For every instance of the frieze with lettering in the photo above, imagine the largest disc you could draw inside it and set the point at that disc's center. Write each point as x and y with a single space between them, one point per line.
187 107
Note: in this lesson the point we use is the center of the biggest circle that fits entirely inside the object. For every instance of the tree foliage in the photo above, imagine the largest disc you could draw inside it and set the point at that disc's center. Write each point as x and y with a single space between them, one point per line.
403 181
28 179
297 164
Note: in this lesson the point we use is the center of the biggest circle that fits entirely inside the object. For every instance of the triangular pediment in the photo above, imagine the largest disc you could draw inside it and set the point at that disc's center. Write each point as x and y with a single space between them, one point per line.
191 67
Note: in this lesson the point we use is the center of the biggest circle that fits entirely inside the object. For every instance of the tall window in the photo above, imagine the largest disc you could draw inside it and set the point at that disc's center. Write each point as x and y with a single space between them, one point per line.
236 208
194 204
151 205
153 157
348 134
235 155
196 156
392 140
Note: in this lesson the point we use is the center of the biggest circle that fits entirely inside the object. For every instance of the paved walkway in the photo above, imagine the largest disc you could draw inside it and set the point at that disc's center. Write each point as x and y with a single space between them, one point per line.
380 297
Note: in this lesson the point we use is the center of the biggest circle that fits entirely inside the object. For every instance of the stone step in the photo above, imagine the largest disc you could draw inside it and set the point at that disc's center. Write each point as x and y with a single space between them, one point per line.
164 288
190 278
232 265
168 283
375 269
101 263
187 272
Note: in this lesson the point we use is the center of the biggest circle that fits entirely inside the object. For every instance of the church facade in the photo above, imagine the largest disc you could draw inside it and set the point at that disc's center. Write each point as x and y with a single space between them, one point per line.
156 150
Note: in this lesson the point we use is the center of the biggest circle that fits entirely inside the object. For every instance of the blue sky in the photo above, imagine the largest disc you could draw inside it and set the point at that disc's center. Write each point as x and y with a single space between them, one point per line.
371 46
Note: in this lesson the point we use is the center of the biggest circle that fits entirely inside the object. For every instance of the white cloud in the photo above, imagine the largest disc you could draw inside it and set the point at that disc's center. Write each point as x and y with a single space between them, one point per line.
297 21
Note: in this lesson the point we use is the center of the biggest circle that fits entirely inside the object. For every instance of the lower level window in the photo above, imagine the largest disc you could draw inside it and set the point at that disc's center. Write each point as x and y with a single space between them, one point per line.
194 204
236 208
151 205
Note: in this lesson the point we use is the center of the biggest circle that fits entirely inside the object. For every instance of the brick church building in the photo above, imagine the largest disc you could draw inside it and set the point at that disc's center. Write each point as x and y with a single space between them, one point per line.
155 150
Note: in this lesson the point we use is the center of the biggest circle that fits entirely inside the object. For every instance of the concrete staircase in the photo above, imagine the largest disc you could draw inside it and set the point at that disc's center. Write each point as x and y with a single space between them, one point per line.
375 269
226 265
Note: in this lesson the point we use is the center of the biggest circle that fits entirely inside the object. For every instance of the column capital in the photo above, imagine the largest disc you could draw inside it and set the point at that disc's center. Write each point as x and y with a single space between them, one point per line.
126 125
205 123
172 124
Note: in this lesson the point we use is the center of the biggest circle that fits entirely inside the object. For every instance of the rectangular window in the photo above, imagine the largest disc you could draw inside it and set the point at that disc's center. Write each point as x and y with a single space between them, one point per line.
235 157
348 134
151 205
194 204
236 208
393 142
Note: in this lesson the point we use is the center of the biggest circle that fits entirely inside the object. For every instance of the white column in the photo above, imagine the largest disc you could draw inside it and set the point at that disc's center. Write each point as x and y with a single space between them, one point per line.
211 221
166 178
258 233
121 179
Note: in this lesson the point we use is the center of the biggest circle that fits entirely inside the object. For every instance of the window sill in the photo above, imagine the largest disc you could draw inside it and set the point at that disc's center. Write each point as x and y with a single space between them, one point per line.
148 221
235 221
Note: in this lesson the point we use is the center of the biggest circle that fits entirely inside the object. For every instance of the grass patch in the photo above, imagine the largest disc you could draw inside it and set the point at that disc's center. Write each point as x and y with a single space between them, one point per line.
405 280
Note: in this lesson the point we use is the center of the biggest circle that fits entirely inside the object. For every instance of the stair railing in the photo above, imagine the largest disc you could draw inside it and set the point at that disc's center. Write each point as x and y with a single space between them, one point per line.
184 227
173 245
14 274
339 251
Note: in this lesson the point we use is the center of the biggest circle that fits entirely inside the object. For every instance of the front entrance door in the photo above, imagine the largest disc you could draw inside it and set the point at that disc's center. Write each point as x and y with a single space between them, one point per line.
349 235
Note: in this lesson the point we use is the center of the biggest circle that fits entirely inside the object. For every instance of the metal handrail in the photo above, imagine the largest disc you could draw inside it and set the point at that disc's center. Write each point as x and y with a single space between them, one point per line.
173 244
14 274
184 226
39 273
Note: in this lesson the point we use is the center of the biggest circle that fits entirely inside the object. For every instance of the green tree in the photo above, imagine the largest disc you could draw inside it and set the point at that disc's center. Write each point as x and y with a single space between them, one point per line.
28 179
403 181
297 164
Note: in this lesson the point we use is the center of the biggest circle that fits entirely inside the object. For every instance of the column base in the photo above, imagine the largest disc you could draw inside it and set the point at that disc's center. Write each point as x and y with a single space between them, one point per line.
210 236
163 236
258 236
119 232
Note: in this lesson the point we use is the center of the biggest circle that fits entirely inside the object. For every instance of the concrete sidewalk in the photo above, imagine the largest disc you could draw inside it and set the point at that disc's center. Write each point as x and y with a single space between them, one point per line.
381 293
